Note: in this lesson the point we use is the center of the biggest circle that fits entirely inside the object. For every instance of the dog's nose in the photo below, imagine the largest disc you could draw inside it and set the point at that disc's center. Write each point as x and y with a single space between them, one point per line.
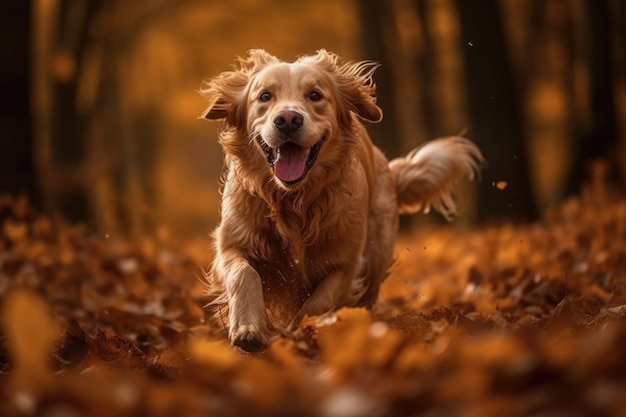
288 121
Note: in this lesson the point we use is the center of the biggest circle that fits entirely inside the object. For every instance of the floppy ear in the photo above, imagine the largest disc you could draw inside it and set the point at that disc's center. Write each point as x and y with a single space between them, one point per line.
357 87
227 92
224 93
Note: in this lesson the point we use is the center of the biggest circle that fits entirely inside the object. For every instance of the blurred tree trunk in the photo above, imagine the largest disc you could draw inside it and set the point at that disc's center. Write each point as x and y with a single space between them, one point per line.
599 139
61 36
444 85
617 12
426 70
17 170
442 68
378 29
88 154
548 80
409 90
67 124
494 108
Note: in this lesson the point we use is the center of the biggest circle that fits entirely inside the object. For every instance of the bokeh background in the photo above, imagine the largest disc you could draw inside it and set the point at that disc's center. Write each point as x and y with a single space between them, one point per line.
100 96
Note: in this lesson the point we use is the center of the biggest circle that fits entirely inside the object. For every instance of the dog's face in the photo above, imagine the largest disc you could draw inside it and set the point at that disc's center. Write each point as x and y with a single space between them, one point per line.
291 113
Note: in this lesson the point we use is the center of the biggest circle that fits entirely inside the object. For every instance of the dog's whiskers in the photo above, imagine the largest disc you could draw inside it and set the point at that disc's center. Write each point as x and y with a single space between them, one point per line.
253 137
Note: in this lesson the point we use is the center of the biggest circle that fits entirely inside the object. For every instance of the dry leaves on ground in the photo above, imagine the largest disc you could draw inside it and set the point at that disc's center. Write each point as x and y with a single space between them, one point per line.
500 320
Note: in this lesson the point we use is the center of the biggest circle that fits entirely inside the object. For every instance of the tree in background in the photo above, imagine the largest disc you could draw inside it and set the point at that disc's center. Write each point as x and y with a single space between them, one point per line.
62 32
378 35
17 171
597 138
540 86
89 163
494 108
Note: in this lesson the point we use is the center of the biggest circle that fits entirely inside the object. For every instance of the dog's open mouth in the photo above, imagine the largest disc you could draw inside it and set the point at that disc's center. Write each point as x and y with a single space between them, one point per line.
291 161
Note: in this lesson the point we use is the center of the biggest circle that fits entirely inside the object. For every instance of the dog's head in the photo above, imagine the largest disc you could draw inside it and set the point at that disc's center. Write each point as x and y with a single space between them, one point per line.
289 115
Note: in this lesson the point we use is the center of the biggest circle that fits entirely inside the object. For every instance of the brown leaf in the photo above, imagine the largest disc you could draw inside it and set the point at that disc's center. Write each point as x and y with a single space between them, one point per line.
108 347
15 231
31 334
73 348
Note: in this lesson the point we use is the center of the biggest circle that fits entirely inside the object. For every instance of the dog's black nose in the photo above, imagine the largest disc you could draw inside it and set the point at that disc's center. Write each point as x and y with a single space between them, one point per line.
288 121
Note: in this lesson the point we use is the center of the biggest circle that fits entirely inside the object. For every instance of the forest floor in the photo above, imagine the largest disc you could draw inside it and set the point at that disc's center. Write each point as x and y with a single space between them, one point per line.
505 319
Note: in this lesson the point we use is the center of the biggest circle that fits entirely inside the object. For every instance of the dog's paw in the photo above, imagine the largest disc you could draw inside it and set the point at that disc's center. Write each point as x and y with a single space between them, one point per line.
250 338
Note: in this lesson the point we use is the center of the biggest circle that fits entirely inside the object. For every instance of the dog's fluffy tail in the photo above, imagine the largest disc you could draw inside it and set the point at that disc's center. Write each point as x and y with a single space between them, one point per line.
426 176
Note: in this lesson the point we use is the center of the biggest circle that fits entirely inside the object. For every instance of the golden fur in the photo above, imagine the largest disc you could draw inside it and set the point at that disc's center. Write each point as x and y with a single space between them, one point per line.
292 247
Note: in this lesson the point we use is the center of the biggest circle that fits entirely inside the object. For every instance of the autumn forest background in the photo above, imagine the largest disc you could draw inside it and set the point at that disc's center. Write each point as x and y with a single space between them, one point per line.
101 96
109 191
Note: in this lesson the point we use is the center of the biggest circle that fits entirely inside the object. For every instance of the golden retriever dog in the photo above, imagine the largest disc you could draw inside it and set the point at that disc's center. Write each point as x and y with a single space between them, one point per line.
310 206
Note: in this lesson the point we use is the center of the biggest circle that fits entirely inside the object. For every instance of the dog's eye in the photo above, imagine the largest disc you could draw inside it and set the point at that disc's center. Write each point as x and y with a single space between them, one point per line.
265 96
315 96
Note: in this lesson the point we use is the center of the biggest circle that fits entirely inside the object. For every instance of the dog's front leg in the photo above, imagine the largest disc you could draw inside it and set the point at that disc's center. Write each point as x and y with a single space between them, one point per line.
328 295
247 321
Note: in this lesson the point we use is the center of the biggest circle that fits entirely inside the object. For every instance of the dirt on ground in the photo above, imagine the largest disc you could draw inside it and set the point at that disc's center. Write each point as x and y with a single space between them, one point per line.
506 319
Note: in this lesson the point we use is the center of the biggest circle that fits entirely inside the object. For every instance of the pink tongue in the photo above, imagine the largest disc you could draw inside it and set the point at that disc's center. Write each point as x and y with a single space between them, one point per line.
291 162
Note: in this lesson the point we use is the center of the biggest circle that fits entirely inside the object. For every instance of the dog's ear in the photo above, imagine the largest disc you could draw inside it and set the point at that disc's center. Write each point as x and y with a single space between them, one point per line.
356 85
224 92
227 92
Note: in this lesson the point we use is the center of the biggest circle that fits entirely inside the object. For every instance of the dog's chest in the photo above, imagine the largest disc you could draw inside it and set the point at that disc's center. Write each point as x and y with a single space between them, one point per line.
294 263
289 274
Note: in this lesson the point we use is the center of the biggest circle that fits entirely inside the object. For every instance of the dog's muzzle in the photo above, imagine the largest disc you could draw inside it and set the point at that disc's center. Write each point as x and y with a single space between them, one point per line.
290 161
